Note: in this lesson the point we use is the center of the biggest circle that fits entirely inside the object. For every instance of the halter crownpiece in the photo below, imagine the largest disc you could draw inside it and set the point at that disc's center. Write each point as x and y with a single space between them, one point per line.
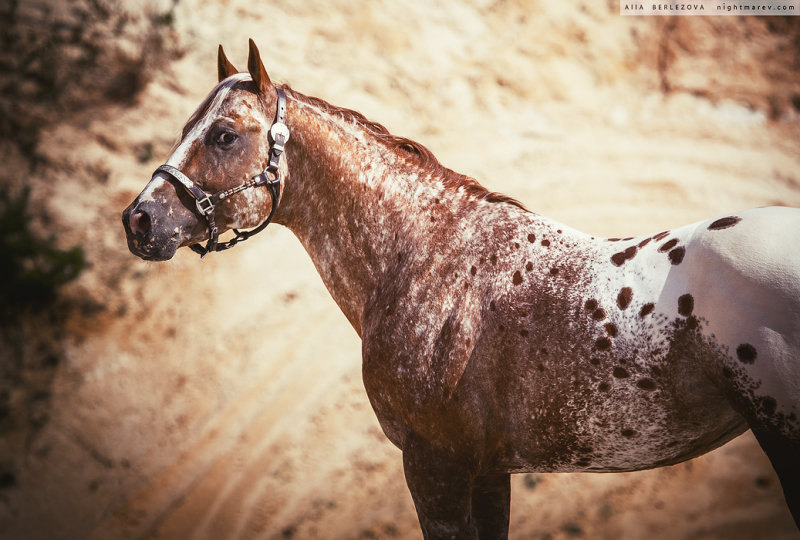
271 177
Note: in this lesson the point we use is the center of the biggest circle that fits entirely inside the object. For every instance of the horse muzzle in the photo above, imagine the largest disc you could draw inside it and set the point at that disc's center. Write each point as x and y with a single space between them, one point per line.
149 236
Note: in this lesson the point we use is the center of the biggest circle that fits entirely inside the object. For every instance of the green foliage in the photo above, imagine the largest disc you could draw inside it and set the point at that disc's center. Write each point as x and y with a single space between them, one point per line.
31 269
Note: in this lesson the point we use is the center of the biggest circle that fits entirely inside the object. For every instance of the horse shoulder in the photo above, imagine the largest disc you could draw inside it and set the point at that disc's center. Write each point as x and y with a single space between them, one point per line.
414 356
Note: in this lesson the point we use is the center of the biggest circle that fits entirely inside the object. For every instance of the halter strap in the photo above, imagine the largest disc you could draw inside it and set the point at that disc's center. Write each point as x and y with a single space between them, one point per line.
271 177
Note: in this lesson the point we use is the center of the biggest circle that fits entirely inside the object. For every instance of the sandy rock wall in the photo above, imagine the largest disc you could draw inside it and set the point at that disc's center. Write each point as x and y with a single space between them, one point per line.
223 398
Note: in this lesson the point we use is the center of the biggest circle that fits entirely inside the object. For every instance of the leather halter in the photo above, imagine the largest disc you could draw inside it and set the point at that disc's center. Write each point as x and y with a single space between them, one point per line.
271 177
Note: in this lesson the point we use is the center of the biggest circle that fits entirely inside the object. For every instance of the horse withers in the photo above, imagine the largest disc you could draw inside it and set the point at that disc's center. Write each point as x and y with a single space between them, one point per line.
495 340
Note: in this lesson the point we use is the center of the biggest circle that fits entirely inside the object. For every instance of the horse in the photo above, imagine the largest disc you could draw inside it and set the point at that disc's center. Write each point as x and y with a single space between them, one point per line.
495 340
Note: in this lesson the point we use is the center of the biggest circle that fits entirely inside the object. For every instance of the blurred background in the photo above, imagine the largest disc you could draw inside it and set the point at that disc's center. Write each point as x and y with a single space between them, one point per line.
222 398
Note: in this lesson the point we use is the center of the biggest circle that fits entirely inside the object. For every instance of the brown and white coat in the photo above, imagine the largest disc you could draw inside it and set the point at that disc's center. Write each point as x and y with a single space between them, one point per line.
496 340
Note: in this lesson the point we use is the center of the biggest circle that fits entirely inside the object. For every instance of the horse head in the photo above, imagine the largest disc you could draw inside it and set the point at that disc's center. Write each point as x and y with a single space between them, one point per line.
225 173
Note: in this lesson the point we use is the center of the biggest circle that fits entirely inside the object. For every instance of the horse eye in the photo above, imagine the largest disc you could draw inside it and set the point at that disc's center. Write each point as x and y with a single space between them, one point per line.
226 138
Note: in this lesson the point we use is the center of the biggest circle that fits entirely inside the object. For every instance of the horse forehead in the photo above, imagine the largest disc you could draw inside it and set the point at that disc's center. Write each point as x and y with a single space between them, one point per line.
240 105
234 103
227 101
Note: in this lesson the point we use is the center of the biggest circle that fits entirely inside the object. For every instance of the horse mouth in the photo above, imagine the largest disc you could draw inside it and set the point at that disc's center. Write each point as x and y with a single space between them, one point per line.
148 251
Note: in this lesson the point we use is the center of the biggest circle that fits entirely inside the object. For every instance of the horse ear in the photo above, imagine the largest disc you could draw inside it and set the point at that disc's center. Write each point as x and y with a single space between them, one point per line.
256 68
224 68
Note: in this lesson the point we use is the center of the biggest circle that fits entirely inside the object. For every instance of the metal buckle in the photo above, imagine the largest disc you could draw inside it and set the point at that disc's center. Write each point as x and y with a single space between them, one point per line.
280 135
205 206
275 180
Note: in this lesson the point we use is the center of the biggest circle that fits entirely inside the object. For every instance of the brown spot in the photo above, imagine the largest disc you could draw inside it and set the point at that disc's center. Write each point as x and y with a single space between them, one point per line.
473 270
599 314
523 333
676 255
661 235
559 231
644 242
590 305
614 239
469 342
516 245
611 328
646 384
628 432
724 223
493 259
647 309
603 387
768 405
554 271
603 344
621 373
666 246
686 305
545 242
619 258
529 266
595 361
492 306
692 323
624 297
746 353
727 373
531 237
517 279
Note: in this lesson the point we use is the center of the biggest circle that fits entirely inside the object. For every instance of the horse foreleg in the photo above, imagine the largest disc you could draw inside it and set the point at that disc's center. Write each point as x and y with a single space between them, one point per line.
441 485
784 454
491 506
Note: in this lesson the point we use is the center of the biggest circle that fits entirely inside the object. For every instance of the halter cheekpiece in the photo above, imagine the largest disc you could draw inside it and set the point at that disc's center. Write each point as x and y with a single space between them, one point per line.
271 177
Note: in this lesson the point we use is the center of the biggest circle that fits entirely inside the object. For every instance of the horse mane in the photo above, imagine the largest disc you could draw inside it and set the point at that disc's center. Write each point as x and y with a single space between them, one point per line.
415 150
410 148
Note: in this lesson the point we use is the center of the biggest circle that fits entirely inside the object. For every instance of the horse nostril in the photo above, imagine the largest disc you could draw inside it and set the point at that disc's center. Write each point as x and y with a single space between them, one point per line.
139 222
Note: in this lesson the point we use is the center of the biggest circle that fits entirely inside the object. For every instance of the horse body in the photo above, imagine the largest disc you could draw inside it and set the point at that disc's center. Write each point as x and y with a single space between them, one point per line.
495 340
626 381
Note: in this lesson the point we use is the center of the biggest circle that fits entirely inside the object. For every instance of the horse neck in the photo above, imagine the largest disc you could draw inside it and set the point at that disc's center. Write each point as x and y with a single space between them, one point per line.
356 202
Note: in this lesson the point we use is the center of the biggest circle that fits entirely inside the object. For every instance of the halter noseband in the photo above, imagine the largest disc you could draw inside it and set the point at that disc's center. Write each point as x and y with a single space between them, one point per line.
271 177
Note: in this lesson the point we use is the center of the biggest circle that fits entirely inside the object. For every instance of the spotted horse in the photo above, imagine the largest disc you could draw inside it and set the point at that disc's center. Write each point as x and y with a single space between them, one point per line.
496 340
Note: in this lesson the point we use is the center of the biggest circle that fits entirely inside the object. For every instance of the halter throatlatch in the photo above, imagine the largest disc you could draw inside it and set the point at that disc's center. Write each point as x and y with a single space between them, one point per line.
271 177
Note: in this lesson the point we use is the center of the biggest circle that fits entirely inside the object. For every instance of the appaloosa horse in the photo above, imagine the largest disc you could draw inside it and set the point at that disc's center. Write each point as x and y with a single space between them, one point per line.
496 340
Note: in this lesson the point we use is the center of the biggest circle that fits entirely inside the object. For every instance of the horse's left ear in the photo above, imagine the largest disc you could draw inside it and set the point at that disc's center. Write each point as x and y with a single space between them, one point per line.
256 68
224 68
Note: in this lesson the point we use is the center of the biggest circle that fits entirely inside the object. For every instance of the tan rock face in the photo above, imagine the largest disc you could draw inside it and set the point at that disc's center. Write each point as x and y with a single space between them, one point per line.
224 398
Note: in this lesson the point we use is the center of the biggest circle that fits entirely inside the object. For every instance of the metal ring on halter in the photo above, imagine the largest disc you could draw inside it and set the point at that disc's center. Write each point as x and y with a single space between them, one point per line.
271 177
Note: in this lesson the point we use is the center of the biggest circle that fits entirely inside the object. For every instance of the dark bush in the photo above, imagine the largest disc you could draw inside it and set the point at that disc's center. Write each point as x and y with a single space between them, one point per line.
62 56
31 269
